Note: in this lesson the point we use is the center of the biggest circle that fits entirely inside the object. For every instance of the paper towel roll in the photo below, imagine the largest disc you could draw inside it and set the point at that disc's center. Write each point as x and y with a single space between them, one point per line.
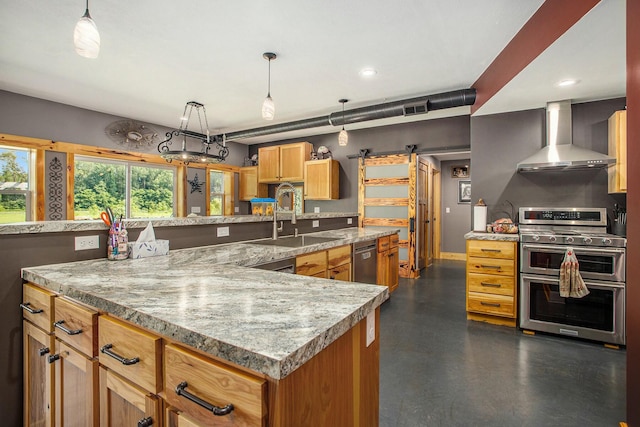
479 218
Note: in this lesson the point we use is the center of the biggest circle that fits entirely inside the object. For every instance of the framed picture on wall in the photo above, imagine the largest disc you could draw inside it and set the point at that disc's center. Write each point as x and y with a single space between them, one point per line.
464 191
459 171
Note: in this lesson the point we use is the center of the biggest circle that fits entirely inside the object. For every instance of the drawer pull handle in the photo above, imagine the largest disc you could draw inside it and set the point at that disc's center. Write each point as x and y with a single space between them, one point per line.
145 422
43 351
491 285
58 325
494 267
53 357
27 306
490 304
216 410
490 250
106 349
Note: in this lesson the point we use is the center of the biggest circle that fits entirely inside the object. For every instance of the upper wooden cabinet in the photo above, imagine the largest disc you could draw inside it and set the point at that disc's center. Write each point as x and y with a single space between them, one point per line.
249 187
618 149
280 163
321 178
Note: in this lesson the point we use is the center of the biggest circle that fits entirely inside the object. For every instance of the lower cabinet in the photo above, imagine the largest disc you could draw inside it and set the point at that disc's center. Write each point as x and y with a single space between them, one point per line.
124 404
333 264
177 418
388 262
38 377
76 387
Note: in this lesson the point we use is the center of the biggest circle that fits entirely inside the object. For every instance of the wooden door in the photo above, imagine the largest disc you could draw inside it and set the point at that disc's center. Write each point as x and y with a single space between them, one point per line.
269 164
38 376
124 404
387 201
436 212
76 388
422 228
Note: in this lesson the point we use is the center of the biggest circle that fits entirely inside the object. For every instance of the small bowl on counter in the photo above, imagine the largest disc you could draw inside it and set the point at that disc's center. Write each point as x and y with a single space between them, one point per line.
505 227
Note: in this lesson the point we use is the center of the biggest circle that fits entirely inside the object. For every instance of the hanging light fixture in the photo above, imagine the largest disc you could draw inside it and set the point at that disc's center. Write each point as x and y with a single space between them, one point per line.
86 37
268 107
343 136
186 156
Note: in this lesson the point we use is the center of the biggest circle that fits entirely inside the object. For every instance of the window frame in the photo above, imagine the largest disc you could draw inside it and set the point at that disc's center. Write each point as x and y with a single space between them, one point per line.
30 192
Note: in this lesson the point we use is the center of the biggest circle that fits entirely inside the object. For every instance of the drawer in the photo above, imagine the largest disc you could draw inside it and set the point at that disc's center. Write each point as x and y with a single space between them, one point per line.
497 305
131 352
491 284
77 326
341 272
383 244
393 241
491 249
338 256
502 267
311 264
38 306
195 376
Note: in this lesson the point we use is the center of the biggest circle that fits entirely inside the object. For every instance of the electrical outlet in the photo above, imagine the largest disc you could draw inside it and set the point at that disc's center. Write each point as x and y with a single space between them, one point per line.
236 209
315 224
87 242
222 231
195 209
349 220
447 210
316 209
371 328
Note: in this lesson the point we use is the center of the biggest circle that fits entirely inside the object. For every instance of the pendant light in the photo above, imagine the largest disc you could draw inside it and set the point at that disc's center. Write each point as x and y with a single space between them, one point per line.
86 37
268 107
343 136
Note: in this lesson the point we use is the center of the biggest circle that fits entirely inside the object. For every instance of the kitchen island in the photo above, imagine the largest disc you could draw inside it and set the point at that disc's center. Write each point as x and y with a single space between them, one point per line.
304 337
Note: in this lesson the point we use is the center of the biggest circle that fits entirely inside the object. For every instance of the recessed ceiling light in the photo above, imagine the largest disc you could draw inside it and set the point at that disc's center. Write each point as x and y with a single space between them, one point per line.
368 72
567 82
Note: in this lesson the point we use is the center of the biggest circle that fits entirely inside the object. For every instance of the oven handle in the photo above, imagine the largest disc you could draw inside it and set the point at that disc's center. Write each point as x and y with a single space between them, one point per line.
577 249
553 280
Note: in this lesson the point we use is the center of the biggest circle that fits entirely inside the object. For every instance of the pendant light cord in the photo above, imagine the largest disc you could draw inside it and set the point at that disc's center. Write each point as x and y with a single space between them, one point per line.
269 83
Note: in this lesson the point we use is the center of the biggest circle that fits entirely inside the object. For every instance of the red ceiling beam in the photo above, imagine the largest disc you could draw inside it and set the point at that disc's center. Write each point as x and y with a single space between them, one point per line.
549 22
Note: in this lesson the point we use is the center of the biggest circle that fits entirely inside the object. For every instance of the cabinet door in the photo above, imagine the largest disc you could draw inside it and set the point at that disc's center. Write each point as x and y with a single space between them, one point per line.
321 179
176 418
77 326
124 404
38 306
269 164
382 269
618 149
249 187
76 387
393 268
37 376
342 272
292 158
312 264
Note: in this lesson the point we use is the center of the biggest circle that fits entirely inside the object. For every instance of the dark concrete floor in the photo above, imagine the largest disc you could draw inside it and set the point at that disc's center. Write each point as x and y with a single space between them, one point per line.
438 369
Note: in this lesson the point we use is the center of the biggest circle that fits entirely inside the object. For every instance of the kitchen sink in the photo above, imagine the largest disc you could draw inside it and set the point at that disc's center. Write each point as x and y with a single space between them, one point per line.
294 242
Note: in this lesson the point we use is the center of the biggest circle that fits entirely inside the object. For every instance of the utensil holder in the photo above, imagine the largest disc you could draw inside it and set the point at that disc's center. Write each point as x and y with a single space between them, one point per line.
619 229
117 248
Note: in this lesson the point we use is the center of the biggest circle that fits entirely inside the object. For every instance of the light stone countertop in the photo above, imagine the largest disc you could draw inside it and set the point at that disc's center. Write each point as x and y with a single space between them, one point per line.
206 298
32 227
475 235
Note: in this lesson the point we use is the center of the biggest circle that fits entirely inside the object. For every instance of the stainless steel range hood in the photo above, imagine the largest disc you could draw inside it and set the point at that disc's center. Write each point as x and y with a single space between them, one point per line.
560 153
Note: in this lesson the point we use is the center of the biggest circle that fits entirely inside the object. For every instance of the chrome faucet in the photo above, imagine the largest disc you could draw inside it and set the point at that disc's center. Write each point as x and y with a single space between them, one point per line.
285 187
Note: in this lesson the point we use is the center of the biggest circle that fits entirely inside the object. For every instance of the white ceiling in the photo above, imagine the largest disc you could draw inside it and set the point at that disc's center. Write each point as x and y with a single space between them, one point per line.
157 55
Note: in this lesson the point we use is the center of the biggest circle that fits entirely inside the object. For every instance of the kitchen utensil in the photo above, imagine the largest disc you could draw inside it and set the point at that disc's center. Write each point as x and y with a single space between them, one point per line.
105 218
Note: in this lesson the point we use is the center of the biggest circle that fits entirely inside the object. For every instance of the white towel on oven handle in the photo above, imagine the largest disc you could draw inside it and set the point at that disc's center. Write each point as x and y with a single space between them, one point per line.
571 283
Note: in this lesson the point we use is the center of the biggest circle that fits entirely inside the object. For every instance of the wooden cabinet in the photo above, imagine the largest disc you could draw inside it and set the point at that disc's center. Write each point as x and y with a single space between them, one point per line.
280 163
491 281
321 179
388 262
38 377
124 404
76 367
618 149
333 263
249 187
193 382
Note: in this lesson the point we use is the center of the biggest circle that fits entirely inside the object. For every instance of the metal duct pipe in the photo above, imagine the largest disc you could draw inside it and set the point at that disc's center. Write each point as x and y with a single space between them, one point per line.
438 101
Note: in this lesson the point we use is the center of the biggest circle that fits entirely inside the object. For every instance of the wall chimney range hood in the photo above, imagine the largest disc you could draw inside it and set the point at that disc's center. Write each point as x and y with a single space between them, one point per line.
560 154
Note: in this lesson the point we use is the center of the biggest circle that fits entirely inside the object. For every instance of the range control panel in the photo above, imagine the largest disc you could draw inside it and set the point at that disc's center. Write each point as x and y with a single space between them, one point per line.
566 216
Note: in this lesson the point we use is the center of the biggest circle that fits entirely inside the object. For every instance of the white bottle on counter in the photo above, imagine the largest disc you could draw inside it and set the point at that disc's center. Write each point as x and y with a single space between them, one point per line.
480 216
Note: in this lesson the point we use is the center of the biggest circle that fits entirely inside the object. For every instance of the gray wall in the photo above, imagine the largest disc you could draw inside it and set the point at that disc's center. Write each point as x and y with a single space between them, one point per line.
457 222
37 118
429 134
499 142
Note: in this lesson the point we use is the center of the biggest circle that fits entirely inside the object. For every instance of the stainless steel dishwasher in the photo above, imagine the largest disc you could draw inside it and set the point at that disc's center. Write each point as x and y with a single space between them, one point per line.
365 262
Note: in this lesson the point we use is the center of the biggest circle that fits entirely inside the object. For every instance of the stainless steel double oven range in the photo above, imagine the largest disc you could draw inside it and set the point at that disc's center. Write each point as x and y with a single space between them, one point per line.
545 234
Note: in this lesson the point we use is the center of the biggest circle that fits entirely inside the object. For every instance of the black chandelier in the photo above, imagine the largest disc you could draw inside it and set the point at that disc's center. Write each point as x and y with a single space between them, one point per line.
206 140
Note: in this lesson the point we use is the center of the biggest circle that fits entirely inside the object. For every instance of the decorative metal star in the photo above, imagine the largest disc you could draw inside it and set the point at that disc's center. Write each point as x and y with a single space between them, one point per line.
196 185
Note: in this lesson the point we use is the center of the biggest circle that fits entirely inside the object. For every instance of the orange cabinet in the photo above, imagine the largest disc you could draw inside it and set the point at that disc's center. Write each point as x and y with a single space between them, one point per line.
321 179
283 163
249 187
388 262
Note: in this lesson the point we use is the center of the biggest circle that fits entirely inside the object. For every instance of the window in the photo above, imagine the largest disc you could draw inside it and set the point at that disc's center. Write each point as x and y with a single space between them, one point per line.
130 190
216 195
15 197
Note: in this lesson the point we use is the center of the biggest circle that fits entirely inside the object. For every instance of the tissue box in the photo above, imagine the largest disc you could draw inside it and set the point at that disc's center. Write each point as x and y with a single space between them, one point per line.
148 249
